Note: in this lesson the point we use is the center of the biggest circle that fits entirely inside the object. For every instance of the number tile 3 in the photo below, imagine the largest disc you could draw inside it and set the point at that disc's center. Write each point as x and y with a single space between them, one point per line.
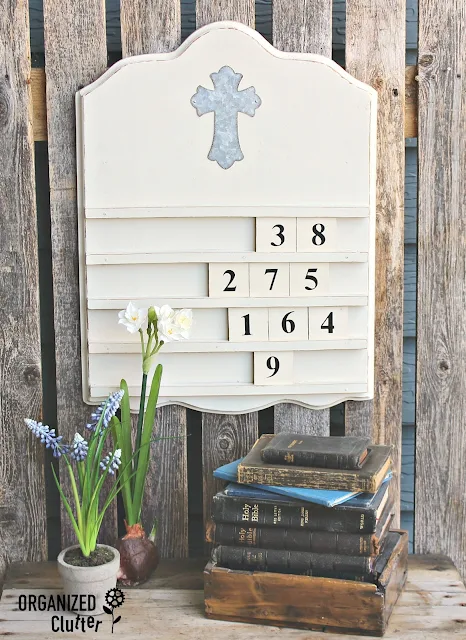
275 235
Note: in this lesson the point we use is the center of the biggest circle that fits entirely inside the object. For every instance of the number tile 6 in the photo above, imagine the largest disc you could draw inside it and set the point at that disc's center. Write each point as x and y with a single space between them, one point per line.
288 324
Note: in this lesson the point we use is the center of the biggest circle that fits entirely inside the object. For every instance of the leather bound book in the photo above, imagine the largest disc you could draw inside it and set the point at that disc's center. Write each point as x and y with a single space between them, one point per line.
332 452
292 539
253 470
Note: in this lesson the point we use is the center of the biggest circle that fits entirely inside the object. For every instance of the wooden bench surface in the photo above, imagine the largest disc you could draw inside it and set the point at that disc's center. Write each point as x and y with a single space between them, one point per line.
171 605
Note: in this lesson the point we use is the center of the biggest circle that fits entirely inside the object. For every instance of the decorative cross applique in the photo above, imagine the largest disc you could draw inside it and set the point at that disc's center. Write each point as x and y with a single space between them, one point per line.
226 101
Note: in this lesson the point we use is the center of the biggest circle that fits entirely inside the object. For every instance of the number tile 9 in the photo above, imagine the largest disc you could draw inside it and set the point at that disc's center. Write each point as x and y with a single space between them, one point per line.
273 368
276 235
228 280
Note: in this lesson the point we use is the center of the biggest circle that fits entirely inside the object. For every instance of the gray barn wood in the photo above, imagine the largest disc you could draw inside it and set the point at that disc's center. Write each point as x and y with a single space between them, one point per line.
75 55
22 491
375 53
441 351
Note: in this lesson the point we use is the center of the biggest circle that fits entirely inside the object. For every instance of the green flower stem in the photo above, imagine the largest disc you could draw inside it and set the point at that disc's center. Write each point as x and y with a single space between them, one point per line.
140 422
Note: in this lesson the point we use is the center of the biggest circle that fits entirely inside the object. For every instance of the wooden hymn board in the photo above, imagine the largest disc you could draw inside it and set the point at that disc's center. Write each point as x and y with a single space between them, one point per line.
239 181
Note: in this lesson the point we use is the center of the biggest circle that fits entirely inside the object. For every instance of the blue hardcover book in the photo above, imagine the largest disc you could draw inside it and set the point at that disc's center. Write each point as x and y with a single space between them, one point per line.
228 472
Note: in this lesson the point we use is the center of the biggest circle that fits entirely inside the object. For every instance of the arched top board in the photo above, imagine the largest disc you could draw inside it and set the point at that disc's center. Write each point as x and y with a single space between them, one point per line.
239 181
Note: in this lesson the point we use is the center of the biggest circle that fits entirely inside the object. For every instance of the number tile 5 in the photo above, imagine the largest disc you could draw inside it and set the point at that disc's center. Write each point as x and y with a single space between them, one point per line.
228 280
273 368
276 235
248 325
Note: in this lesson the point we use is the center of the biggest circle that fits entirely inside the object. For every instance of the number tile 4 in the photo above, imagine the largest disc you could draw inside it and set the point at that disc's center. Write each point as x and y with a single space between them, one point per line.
248 325
228 280
276 235
273 368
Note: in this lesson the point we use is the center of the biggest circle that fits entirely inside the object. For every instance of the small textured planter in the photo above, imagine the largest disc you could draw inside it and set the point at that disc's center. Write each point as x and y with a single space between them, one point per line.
85 581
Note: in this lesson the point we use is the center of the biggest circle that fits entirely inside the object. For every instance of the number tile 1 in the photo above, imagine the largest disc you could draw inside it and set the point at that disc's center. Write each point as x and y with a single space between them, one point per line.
273 368
248 325
228 280
276 235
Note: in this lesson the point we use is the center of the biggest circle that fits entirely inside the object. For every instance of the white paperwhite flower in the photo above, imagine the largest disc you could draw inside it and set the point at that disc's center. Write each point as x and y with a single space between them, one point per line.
184 321
166 327
133 318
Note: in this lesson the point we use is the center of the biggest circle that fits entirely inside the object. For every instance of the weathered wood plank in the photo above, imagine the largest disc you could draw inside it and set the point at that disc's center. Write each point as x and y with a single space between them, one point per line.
75 54
375 53
155 27
441 347
22 488
208 11
224 439
150 26
38 88
304 26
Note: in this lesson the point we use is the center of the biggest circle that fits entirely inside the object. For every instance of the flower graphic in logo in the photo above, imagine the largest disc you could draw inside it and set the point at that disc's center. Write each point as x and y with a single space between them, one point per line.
114 598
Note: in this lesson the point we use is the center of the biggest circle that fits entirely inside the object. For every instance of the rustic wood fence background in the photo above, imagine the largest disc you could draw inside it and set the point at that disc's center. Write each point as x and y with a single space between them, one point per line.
427 101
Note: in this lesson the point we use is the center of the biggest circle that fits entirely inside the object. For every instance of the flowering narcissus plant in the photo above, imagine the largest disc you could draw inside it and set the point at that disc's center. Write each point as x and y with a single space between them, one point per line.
91 470
156 326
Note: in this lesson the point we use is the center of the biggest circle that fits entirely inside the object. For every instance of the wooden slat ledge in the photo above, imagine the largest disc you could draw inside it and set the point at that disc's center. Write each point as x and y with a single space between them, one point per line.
40 113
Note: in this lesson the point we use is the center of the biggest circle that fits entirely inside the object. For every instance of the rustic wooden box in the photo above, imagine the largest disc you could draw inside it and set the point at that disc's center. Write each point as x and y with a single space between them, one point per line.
322 604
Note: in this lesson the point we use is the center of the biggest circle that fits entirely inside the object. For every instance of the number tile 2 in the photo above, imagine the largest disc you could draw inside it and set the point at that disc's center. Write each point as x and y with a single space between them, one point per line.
229 280
248 325
276 235
288 324
273 368
269 280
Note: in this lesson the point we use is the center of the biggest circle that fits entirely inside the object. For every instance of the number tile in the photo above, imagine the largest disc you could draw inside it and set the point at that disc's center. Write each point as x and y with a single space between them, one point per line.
273 368
269 280
288 324
309 279
228 280
314 234
248 325
328 323
275 235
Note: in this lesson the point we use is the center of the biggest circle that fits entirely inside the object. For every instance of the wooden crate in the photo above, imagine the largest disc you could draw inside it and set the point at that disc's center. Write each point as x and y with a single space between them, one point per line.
322 604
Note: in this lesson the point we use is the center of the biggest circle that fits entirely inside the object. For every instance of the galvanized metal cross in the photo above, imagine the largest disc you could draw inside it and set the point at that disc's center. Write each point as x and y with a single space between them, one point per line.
226 101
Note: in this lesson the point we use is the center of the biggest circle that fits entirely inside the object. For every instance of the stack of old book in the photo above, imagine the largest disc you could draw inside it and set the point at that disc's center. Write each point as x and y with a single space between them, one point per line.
306 505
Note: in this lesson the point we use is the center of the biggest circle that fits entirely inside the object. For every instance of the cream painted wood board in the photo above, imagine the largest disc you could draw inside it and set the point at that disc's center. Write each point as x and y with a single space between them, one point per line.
244 198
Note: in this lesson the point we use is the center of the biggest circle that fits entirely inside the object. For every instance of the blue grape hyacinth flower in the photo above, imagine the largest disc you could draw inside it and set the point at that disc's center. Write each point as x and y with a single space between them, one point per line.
48 437
111 462
108 408
79 448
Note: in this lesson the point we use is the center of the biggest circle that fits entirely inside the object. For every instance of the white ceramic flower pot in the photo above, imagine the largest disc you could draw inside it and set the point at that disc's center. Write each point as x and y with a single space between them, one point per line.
85 581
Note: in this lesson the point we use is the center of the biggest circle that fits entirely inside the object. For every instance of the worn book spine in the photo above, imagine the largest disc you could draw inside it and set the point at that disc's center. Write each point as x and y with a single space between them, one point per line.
311 458
310 478
238 510
296 562
238 535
